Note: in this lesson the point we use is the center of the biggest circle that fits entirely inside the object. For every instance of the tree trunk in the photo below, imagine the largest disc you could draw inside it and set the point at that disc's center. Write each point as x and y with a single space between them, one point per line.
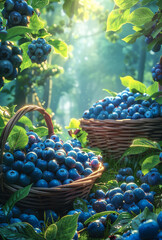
142 60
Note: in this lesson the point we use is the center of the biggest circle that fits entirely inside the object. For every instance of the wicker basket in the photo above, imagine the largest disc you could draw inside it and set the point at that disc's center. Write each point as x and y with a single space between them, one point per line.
113 137
57 198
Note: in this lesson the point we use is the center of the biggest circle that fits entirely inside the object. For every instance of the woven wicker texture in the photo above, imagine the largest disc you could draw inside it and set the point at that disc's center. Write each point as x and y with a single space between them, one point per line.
113 137
58 198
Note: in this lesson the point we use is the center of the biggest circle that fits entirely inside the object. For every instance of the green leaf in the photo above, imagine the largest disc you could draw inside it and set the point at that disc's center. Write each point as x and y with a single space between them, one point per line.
98 215
152 89
140 16
132 37
143 142
159 100
159 4
41 131
79 203
15 31
36 23
150 163
60 47
15 197
114 94
26 121
26 60
116 19
39 3
134 150
133 84
145 215
19 231
51 232
157 30
74 124
145 2
112 184
18 139
70 7
125 4
123 221
66 227
11 110
152 44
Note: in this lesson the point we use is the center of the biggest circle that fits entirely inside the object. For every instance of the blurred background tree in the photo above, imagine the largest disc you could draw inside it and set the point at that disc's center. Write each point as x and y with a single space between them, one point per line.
96 60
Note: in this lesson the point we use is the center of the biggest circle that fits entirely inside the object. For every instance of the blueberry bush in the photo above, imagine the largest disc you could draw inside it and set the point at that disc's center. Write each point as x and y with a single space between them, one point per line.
35 47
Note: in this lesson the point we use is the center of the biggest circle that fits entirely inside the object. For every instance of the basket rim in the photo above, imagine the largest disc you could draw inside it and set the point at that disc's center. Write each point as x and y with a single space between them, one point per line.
82 120
80 182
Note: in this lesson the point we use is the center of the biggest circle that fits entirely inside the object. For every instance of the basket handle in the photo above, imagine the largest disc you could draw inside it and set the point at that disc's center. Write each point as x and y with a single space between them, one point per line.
21 112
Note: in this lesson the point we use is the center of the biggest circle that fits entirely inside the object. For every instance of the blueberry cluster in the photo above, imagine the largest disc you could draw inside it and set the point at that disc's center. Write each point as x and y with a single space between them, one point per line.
126 198
17 13
153 177
38 50
48 163
10 61
157 72
125 174
147 230
124 106
32 217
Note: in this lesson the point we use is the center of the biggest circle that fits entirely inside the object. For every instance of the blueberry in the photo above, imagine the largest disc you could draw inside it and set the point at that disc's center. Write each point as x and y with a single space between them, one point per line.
145 187
62 174
5 52
48 176
70 162
145 203
8 159
48 154
138 194
99 205
134 209
16 212
114 191
24 217
9 5
96 229
80 168
100 194
33 220
24 180
52 166
68 181
36 175
28 167
148 230
55 138
129 196
19 155
15 18
16 60
32 157
49 143
153 178
14 220
54 183
51 216
6 68
130 179
12 177
82 157
84 216
41 183
117 200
